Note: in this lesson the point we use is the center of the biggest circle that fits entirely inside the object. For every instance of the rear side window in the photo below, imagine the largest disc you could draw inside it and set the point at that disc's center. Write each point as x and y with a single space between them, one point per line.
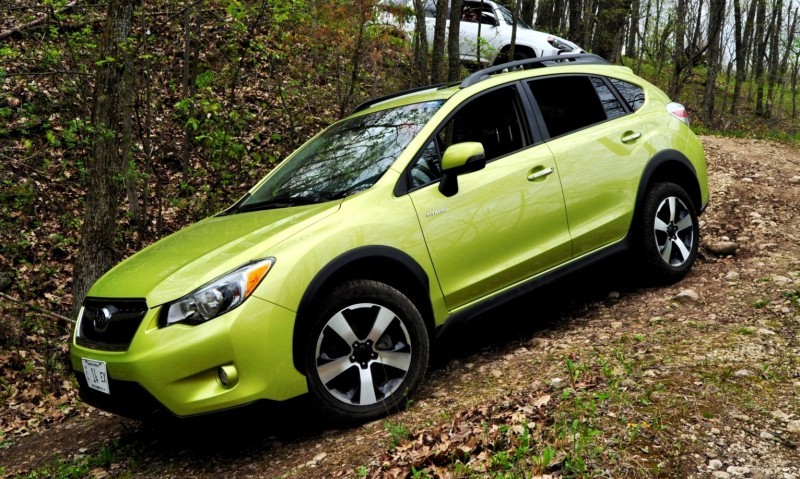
633 94
611 105
567 103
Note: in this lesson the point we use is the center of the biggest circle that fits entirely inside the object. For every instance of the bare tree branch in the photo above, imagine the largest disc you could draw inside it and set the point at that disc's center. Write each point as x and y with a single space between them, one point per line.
35 22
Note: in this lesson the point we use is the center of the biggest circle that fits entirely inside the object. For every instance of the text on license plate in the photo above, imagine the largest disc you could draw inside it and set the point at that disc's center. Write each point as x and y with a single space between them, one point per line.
96 375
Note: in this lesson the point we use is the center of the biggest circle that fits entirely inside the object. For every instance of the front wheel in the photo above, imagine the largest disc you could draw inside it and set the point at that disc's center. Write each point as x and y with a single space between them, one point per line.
669 232
367 352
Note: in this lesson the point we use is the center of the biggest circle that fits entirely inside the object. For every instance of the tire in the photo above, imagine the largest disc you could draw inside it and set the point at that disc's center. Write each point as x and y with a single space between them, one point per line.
669 233
367 352
521 55
518 55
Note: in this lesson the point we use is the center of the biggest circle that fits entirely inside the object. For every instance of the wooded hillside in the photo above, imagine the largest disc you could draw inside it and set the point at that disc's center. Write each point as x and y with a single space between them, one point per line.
123 121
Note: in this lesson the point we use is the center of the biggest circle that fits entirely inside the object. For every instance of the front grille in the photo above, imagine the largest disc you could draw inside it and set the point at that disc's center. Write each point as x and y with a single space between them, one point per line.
109 324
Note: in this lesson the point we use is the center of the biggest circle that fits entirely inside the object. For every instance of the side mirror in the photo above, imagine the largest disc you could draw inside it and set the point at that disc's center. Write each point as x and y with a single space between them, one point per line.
457 160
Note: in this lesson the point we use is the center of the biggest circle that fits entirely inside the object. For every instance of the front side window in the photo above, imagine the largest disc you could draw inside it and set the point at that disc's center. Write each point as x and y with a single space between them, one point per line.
494 119
475 12
346 158
508 17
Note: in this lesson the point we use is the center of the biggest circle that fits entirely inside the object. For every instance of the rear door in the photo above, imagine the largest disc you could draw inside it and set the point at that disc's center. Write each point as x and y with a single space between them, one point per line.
600 147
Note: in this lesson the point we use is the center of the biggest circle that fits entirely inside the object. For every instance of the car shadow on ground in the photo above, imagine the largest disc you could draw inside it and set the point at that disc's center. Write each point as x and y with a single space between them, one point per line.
259 428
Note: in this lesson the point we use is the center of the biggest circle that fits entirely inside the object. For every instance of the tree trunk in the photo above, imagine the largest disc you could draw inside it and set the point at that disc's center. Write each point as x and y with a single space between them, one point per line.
105 166
544 16
728 74
716 19
437 55
795 70
188 83
515 8
761 48
633 30
453 53
611 19
576 26
743 40
678 55
774 56
528 9
420 44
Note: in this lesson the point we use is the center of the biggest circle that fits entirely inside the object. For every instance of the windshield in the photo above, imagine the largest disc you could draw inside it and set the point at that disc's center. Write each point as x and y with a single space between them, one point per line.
346 158
509 18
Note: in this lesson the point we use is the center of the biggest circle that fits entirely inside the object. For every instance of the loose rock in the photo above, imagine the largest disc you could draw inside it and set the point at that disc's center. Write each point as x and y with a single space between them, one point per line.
722 248
687 296
732 276
793 426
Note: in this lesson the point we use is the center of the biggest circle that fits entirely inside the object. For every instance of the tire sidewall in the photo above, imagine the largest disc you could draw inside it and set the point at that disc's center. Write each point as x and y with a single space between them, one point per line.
655 266
365 291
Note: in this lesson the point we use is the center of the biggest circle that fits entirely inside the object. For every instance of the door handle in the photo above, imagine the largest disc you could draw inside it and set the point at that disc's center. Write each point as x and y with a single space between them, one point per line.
629 137
536 175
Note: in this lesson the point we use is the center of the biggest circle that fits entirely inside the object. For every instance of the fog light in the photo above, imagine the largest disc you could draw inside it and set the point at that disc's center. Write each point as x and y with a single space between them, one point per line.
228 376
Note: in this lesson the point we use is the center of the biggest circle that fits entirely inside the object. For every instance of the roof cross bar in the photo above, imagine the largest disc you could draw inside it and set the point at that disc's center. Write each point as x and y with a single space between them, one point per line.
549 61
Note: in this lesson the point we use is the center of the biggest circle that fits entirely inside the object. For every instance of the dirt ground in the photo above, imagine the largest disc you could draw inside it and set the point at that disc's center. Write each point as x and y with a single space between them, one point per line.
700 379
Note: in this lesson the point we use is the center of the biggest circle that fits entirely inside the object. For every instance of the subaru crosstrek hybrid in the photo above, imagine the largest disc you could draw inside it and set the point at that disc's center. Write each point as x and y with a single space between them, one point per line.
333 273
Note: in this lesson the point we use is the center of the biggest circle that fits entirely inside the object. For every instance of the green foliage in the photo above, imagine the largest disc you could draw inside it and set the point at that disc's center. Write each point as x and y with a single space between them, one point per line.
79 466
760 303
398 432
793 296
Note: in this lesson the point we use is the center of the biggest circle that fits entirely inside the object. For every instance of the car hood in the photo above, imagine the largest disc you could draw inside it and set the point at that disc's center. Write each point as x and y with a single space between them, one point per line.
198 254
538 39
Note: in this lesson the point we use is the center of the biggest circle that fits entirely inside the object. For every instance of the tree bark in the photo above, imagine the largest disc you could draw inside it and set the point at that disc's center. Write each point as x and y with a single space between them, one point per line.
678 55
544 16
437 55
35 22
105 166
528 9
576 24
774 56
611 19
716 19
633 29
761 48
420 44
742 41
453 51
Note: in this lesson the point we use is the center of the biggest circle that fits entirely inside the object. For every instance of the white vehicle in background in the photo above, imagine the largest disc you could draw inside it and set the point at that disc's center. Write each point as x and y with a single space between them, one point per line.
485 34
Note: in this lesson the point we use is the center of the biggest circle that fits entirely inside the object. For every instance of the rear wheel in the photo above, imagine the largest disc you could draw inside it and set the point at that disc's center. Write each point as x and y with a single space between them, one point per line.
668 233
367 352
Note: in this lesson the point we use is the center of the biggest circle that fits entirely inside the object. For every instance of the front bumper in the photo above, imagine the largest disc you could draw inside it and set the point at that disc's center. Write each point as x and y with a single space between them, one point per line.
175 368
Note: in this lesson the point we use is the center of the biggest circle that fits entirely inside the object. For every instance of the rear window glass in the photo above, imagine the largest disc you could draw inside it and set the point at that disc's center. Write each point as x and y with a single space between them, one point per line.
633 94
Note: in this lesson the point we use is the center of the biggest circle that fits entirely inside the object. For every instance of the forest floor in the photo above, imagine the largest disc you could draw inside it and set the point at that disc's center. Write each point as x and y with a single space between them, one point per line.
596 376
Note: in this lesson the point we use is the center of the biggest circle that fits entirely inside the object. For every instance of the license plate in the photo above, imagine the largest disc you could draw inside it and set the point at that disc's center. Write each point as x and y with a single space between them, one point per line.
96 375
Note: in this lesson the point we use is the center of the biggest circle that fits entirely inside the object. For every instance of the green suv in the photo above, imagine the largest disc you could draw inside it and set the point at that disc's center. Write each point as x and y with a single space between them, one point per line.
333 274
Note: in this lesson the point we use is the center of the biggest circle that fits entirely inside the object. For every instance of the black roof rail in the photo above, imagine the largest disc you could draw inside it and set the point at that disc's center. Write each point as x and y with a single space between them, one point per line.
375 101
553 60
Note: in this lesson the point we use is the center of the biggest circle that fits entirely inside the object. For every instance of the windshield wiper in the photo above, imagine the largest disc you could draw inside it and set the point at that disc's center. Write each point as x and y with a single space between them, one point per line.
279 202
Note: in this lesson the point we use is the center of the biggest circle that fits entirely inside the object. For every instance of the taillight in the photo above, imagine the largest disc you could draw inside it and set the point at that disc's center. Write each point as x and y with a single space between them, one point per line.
678 111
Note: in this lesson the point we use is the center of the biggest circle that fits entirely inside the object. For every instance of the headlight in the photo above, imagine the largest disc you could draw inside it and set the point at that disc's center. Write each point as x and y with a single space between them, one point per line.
219 296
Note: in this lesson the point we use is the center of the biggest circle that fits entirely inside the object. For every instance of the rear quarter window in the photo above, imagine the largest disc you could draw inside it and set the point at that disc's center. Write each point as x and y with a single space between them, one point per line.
633 94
